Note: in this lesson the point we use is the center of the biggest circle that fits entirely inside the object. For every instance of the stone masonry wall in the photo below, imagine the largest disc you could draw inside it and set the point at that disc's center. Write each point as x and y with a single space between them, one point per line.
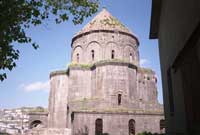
116 123
105 83
103 43
58 101
147 85
79 84
104 80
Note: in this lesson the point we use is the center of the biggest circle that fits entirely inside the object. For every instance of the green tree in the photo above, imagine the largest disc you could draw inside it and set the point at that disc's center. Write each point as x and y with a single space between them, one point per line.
18 15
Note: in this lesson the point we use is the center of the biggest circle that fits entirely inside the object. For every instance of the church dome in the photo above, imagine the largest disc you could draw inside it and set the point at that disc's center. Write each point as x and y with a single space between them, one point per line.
104 38
104 21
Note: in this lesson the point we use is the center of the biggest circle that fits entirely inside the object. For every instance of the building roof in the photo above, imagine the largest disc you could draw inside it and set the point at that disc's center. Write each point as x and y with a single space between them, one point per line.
155 18
104 21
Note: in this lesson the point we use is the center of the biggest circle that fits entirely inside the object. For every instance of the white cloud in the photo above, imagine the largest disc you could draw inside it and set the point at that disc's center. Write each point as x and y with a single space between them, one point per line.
144 62
35 86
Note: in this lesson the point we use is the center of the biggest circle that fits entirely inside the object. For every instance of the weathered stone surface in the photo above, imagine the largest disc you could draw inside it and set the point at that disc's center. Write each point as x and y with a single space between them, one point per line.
58 101
104 81
104 20
116 123
35 117
103 43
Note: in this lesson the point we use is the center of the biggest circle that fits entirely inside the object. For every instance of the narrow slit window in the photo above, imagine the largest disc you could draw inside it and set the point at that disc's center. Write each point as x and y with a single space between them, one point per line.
77 57
119 99
113 54
131 57
92 52
72 117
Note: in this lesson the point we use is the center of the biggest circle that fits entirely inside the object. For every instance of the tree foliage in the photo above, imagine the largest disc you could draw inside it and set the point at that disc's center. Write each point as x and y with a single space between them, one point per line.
18 15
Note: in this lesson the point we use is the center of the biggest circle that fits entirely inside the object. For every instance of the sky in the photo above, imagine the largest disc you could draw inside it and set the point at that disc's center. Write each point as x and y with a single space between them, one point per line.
28 84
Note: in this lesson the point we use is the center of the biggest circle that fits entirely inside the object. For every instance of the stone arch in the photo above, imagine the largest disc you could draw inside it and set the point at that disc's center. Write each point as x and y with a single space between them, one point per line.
131 127
77 56
36 123
93 52
129 53
110 48
98 126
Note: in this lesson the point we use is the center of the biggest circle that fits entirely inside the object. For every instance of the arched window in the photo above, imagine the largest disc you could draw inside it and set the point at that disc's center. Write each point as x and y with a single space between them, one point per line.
131 57
92 52
119 99
77 57
131 126
113 54
98 127
35 124
162 126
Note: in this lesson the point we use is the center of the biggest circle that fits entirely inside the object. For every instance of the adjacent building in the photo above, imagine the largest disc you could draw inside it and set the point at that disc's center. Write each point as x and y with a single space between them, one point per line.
176 24
20 120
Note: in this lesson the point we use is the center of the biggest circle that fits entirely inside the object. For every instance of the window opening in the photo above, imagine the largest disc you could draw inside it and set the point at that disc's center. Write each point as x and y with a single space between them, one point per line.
131 57
99 127
131 126
113 54
92 52
77 57
119 99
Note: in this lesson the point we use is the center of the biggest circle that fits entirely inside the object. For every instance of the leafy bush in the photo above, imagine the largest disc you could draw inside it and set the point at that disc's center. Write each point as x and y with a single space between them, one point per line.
4 133
149 133
105 134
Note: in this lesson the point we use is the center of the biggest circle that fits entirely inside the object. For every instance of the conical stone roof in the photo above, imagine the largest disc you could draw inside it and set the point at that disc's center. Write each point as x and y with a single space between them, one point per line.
104 21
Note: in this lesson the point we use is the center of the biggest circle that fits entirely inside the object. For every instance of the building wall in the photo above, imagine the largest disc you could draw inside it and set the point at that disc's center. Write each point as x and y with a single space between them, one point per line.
96 89
113 80
103 43
177 22
79 84
147 85
108 80
58 101
38 116
116 123
104 82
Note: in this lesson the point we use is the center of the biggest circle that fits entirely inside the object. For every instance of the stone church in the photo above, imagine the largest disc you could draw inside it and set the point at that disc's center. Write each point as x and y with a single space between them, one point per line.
104 89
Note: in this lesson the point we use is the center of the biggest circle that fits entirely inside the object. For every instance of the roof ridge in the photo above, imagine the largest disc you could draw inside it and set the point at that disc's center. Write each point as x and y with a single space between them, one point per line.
104 21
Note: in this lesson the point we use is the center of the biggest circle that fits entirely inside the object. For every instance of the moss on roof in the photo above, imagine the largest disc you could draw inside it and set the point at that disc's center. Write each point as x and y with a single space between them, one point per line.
38 109
84 66
119 110
105 21
145 70
111 61
58 72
